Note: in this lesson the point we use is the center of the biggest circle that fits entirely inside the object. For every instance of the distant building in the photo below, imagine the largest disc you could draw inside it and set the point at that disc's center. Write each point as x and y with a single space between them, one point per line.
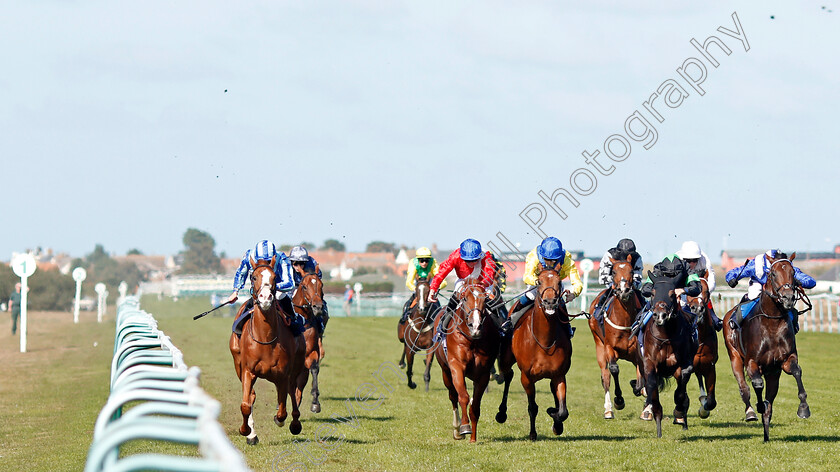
805 260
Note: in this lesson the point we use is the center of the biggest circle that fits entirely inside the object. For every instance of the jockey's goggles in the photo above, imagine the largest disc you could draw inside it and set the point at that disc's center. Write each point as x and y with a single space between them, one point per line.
424 259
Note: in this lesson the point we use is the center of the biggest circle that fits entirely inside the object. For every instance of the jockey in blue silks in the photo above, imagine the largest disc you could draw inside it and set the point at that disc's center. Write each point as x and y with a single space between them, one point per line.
757 270
303 264
264 251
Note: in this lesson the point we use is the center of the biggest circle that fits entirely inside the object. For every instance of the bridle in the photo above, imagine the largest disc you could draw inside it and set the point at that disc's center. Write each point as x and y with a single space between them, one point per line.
480 296
261 264
775 289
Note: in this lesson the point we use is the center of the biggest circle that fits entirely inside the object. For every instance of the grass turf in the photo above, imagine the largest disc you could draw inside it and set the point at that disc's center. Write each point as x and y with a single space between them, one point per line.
406 429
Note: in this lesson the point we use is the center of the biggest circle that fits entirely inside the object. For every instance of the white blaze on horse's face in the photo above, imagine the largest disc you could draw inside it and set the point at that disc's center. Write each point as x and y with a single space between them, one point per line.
422 302
475 317
265 297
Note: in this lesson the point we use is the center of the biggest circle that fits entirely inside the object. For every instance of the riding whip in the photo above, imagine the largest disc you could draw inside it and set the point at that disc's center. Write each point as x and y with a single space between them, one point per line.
211 310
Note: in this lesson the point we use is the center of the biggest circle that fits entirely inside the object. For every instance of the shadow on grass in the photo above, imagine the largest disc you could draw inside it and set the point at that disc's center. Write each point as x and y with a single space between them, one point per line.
717 436
292 441
327 419
740 424
544 437
805 438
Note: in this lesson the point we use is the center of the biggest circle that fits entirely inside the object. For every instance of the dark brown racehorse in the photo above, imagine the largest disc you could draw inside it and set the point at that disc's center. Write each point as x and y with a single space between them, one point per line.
308 301
707 348
541 348
416 333
765 345
614 341
668 350
470 347
267 349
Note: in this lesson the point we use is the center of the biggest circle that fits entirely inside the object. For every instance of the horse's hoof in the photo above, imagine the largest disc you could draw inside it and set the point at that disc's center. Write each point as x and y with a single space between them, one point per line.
295 427
703 413
412 385
279 422
402 365
557 428
315 408
465 430
532 436
647 413
427 386
501 417
252 441
608 415
750 416
551 411
244 430
637 392
618 402
804 411
500 379
679 420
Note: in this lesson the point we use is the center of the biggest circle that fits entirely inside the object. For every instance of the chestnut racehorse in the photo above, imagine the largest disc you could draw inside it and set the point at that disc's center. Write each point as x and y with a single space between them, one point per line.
469 348
613 341
416 333
707 348
308 301
541 347
267 349
765 345
668 350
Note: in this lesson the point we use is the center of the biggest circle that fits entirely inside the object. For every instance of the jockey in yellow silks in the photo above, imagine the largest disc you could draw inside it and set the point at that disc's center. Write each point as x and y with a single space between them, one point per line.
548 255
422 267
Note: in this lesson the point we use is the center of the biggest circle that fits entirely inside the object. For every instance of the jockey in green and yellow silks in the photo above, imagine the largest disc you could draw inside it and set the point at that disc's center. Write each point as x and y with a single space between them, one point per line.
422 267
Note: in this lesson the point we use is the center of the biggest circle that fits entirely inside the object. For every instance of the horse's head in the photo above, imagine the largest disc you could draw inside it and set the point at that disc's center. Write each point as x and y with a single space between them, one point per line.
698 305
473 299
311 290
549 290
781 280
622 273
663 299
421 292
263 283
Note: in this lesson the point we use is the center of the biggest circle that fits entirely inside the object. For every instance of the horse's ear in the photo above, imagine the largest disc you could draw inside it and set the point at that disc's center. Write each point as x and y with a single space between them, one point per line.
252 261
317 267
792 256
650 275
613 260
630 258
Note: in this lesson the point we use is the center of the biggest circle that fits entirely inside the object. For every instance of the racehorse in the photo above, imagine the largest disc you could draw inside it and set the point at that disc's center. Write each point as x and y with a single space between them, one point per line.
765 345
668 349
267 349
541 347
613 340
308 301
707 348
469 348
416 333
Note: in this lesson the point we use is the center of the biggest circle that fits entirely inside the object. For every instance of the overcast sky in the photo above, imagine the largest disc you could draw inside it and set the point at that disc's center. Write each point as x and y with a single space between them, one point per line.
125 123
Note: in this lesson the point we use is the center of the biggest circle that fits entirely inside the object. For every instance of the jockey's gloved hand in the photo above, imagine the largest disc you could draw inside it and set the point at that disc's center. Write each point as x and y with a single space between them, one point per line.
233 296
568 296
732 283
678 292
432 297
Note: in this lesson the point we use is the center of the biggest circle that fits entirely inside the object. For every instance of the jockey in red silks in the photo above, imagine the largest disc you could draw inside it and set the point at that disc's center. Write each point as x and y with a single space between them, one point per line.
470 262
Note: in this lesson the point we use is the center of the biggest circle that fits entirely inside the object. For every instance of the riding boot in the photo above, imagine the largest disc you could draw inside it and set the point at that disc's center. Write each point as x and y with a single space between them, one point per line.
599 305
794 321
519 308
444 318
716 322
736 318
406 309
500 316
637 323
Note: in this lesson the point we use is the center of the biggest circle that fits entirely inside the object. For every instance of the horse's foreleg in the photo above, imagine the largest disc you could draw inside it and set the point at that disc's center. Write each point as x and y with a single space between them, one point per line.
314 370
710 377
601 354
681 401
463 396
772 388
791 367
282 392
479 387
559 413
427 373
612 364
402 359
754 372
246 407
533 409
409 358
738 372
506 361
652 382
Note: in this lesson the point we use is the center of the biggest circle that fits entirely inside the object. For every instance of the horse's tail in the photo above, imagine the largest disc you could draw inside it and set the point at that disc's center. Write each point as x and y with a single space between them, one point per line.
663 383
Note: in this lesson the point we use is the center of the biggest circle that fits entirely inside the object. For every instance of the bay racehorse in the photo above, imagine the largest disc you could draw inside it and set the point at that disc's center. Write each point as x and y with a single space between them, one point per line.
613 340
765 345
707 348
541 347
469 348
668 349
416 333
308 301
267 349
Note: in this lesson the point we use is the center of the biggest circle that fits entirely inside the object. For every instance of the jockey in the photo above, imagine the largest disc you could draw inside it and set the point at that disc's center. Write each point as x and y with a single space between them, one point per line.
470 261
699 263
687 283
264 251
548 255
620 252
757 270
423 266
303 264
